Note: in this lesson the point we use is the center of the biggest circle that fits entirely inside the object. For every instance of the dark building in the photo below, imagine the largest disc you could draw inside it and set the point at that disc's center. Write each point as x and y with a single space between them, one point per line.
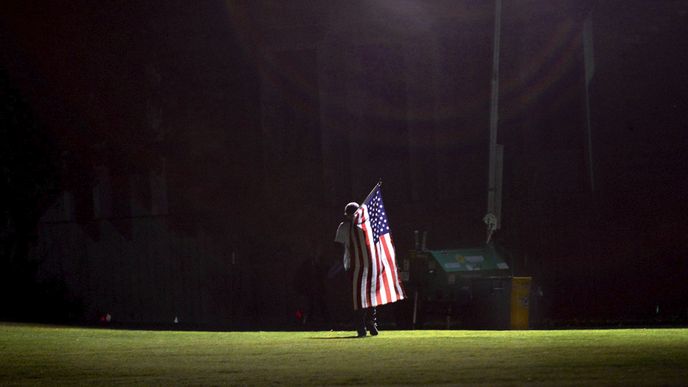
208 149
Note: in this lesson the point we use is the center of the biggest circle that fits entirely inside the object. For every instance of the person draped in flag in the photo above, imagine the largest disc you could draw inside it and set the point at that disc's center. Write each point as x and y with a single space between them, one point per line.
369 258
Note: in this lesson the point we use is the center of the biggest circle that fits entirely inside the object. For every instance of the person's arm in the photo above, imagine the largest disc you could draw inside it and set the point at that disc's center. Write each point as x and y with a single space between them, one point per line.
346 260
343 237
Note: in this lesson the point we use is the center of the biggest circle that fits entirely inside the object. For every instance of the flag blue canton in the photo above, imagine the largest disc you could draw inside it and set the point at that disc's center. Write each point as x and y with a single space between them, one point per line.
378 217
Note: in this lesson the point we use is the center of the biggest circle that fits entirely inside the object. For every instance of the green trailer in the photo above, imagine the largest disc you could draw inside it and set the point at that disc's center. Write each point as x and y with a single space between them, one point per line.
460 288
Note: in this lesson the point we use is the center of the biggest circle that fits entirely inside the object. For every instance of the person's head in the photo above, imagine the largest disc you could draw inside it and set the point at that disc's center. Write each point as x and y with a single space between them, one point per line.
350 208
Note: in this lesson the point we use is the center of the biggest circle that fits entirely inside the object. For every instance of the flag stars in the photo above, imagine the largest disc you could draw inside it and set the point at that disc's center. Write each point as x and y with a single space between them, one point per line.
378 217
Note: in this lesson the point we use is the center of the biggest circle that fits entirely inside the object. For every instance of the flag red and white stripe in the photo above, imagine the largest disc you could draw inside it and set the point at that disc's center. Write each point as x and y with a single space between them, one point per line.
375 278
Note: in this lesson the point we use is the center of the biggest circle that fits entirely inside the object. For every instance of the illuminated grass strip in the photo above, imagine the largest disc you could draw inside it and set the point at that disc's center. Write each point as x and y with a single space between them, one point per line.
56 355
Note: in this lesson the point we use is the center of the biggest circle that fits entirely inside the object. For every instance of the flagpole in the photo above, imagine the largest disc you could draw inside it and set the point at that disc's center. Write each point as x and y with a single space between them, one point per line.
379 184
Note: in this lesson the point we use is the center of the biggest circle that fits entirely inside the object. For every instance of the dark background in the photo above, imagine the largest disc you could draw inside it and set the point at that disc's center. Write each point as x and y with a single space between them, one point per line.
188 159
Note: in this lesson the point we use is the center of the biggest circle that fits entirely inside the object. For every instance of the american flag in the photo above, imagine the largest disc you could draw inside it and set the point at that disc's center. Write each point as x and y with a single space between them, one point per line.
375 278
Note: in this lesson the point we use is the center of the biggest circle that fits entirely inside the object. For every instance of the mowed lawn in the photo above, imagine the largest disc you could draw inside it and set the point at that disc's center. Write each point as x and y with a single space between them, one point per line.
49 355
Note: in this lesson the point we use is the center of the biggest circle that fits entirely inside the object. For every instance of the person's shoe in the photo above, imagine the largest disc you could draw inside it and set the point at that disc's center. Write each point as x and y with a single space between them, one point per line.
362 333
373 330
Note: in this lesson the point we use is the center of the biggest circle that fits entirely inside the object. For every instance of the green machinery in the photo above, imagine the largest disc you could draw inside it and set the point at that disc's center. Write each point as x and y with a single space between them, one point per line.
464 288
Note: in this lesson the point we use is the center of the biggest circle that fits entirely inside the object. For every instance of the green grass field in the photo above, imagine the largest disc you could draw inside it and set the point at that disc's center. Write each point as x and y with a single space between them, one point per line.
49 355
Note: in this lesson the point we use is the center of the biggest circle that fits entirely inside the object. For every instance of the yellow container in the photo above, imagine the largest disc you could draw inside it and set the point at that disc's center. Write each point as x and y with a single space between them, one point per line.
520 301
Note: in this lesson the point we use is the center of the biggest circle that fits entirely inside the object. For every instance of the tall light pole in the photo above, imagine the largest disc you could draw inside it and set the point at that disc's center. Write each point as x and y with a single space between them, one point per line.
494 189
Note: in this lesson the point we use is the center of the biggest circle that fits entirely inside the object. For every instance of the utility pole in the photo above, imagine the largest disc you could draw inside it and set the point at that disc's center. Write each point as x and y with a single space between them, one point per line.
494 190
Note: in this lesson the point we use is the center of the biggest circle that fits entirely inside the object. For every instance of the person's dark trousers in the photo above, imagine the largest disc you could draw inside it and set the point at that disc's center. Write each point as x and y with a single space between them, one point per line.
366 319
